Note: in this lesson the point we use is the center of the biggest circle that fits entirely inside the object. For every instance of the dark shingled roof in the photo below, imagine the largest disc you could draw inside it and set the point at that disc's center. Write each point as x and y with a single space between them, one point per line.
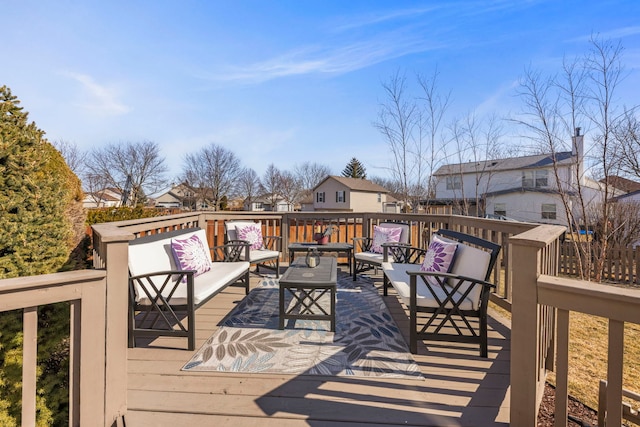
514 163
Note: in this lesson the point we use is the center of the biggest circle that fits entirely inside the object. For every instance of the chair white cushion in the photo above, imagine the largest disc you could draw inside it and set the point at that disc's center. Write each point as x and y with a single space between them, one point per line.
369 257
397 275
261 254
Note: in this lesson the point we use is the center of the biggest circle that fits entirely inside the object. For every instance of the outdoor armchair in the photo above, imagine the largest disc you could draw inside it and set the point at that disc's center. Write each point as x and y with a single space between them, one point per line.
263 251
368 251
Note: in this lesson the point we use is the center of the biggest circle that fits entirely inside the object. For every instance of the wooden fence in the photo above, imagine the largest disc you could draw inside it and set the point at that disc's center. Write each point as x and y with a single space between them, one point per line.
620 265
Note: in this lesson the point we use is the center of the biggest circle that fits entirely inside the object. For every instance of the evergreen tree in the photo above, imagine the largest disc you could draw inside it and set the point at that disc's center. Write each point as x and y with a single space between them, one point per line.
37 191
41 221
354 169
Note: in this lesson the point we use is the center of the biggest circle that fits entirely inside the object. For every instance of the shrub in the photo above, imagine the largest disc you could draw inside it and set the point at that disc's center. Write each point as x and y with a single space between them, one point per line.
41 222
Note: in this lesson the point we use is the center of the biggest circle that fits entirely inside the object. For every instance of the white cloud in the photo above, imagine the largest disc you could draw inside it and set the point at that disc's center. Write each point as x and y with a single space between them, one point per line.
616 33
500 100
98 99
337 59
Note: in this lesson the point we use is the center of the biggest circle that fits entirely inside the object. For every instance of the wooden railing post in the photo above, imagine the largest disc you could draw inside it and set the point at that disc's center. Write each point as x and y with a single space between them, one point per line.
115 382
614 372
524 334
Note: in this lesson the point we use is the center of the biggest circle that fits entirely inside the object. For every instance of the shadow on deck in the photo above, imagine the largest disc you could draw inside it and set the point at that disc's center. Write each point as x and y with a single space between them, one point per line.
460 388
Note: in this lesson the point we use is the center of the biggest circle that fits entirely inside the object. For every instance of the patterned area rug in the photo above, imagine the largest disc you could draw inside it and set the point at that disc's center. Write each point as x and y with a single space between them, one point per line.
366 343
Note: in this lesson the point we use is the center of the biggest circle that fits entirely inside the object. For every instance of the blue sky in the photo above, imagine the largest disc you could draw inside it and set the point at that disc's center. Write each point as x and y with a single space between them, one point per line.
282 82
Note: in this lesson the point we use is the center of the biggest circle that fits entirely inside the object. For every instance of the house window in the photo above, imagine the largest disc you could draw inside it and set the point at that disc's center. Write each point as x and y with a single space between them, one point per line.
379 197
340 197
320 197
454 182
259 205
548 211
535 178
541 178
500 209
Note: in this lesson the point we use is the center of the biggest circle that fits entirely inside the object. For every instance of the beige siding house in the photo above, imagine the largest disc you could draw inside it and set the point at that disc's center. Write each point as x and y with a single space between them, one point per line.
351 194
105 198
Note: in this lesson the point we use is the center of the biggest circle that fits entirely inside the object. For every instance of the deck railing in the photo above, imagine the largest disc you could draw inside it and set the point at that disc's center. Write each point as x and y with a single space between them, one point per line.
299 227
540 327
538 301
103 401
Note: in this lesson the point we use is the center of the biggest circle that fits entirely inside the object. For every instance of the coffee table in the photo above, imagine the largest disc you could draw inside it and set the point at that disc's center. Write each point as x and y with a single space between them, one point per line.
327 247
307 286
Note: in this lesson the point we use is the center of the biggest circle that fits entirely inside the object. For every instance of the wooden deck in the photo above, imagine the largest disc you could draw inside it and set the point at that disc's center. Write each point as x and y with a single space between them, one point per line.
460 389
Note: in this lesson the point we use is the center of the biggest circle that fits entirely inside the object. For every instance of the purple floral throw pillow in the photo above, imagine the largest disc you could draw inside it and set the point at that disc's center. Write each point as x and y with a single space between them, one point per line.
383 235
191 254
252 234
439 257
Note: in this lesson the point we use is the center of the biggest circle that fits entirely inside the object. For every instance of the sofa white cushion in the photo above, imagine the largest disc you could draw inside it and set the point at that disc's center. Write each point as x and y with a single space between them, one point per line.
260 254
471 262
154 257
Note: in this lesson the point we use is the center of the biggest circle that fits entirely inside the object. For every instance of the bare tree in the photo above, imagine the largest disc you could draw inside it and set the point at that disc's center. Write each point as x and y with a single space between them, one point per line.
271 184
310 174
546 101
248 184
290 188
75 158
393 186
213 172
412 127
139 165
553 107
456 171
627 135
431 114
396 121
605 72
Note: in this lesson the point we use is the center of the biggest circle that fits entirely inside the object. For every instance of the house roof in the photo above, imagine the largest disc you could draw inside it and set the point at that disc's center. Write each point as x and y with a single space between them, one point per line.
632 195
104 196
523 162
624 184
264 198
355 184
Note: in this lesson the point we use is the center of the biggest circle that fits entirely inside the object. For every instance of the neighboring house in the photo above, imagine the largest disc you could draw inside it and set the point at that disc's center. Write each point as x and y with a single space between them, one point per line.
629 197
182 196
523 188
106 198
392 205
352 194
235 204
265 203
306 201
624 184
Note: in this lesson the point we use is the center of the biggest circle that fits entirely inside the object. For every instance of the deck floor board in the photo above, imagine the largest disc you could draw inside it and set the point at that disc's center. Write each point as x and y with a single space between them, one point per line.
460 388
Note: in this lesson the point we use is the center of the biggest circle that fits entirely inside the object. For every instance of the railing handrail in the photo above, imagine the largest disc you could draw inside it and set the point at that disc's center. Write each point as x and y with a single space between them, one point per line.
592 298
43 281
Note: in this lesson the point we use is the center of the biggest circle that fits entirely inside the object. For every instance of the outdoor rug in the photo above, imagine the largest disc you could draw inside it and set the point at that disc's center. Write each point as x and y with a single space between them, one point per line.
366 343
